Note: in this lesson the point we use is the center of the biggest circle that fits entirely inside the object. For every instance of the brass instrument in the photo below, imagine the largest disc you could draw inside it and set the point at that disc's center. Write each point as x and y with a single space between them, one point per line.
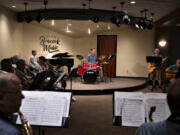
152 110
27 130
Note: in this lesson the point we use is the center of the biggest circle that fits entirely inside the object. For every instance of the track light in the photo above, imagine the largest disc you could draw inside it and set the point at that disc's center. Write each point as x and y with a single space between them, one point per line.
95 19
113 20
126 19
28 19
150 25
39 19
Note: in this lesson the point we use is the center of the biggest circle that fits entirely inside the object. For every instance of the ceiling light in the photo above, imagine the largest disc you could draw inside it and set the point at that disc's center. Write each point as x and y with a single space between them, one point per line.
132 2
126 19
89 31
150 25
162 43
97 26
52 22
13 6
28 19
39 19
69 24
95 19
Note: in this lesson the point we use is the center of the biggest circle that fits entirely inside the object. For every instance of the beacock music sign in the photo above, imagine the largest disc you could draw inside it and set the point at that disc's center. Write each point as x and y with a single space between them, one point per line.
50 43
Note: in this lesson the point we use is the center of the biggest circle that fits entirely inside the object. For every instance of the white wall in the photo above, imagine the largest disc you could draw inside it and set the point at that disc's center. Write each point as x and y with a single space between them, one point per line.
132 45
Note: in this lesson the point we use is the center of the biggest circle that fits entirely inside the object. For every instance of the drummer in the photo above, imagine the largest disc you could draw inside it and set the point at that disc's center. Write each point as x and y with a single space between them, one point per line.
92 57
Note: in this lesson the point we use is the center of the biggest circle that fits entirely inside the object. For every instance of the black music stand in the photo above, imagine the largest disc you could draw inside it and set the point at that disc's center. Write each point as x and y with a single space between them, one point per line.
154 59
110 58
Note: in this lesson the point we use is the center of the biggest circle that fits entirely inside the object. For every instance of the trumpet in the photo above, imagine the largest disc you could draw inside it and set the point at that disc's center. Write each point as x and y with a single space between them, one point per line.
26 130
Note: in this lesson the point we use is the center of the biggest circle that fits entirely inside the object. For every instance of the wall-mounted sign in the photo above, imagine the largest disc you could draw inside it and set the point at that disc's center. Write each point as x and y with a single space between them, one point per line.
50 43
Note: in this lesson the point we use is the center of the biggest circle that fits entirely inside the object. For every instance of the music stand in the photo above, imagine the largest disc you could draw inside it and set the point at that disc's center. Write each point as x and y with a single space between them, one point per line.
154 59
111 57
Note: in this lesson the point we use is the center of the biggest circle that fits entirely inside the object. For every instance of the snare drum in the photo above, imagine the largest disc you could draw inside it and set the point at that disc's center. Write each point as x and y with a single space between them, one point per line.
90 76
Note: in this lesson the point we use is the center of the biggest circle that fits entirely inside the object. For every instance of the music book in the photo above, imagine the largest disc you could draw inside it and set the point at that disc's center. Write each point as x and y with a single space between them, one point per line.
46 108
136 108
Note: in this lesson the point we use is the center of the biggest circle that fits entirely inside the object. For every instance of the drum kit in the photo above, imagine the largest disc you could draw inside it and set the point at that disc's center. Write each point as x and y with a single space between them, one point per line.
88 71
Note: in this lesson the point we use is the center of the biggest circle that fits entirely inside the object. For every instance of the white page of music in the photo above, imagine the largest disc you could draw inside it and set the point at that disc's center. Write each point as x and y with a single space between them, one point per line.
161 111
45 108
133 112
119 98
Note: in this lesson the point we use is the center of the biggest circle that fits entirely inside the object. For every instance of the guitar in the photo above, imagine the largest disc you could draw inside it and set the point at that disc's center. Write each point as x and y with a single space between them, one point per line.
151 67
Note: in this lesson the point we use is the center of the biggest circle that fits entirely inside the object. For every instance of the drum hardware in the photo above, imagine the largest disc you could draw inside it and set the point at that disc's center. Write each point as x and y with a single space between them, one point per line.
79 57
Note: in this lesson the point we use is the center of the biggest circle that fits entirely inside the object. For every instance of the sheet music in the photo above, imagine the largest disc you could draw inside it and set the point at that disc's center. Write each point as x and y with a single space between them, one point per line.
45 108
133 112
134 107
161 112
119 100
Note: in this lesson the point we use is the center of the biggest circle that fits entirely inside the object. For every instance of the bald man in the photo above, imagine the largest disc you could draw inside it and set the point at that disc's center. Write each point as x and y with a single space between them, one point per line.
10 102
171 126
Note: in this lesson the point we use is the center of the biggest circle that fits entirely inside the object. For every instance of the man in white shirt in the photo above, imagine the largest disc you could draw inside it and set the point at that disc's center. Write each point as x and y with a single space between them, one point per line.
33 61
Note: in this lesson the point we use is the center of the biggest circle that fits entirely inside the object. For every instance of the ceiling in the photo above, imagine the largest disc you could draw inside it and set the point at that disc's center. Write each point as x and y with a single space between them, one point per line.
78 28
160 7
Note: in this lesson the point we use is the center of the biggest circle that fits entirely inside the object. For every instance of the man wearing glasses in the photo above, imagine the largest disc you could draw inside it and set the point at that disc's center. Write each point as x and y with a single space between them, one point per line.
10 102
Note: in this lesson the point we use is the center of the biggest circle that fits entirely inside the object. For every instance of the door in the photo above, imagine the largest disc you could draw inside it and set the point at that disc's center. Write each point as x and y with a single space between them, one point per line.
107 46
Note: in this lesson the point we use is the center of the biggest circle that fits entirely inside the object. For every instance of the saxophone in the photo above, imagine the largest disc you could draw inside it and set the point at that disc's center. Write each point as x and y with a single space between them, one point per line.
26 130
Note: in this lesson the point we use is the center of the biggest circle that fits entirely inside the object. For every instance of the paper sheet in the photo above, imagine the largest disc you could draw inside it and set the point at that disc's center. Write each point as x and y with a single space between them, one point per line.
45 108
133 112
161 109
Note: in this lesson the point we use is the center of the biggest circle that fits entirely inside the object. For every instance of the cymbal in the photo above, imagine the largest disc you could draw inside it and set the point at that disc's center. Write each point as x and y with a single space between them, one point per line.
79 57
101 58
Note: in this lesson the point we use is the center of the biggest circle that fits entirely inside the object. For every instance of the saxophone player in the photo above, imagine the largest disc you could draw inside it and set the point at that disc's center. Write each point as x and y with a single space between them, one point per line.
10 102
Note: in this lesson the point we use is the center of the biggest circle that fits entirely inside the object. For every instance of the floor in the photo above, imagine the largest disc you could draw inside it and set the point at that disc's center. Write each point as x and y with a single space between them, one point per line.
114 83
92 115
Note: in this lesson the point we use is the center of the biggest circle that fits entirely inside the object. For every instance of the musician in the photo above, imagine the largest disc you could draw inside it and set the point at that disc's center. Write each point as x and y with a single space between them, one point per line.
14 59
33 61
157 74
170 126
43 64
92 57
10 102
6 65
23 74
174 68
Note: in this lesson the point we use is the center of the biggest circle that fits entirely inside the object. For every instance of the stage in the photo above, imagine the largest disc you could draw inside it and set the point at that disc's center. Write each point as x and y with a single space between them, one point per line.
105 87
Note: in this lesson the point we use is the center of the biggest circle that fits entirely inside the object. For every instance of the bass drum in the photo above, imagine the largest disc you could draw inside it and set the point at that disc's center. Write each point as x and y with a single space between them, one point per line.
90 76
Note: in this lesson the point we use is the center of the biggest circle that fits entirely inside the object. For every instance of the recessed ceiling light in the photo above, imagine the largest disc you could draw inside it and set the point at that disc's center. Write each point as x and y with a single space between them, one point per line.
52 22
133 2
97 25
13 6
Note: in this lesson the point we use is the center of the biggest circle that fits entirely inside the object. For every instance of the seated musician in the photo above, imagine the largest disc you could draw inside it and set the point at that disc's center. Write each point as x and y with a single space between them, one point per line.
43 64
174 68
6 66
23 74
14 59
10 102
92 57
33 62
157 73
